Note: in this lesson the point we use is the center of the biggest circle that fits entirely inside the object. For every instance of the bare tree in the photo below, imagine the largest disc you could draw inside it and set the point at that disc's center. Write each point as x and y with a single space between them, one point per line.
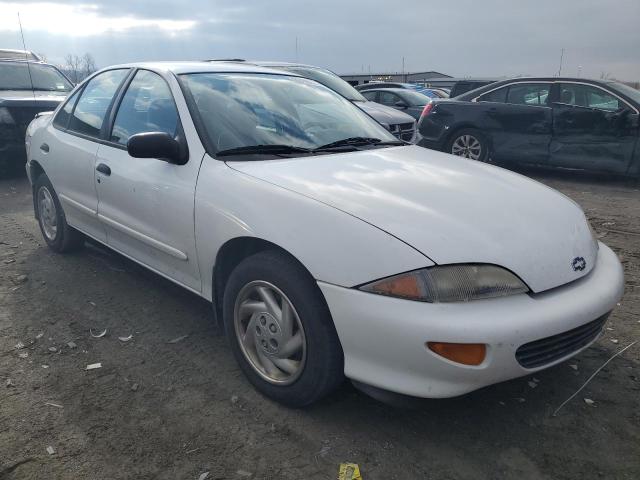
78 68
72 67
88 65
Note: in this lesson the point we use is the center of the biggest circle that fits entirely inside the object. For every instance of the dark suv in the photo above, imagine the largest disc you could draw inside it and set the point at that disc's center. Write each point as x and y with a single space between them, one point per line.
27 87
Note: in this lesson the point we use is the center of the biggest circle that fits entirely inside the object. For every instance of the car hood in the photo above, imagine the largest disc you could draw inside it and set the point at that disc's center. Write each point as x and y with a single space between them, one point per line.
384 114
451 209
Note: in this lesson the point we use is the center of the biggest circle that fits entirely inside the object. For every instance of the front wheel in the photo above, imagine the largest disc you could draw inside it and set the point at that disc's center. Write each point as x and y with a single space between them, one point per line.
469 143
60 237
281 331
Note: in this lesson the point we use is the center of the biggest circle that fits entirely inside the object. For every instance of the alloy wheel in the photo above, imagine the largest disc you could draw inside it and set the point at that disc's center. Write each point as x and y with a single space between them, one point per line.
467 146
270 333
47 213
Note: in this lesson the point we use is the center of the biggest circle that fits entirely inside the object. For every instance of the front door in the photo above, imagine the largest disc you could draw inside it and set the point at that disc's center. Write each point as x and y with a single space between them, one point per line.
147 204
593 129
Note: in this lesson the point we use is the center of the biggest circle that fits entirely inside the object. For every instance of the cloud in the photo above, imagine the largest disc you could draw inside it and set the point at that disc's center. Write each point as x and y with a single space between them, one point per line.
462 37
80 20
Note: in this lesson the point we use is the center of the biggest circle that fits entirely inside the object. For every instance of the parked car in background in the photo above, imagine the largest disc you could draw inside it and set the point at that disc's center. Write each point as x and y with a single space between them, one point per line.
409 101
27 87
556 122
430 92
465 85
403 126
328 247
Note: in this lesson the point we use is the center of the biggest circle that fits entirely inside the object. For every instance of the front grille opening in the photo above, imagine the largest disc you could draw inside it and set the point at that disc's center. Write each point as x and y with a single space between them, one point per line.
548 350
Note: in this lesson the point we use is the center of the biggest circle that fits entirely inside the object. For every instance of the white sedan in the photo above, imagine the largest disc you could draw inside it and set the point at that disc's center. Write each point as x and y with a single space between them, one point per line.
327 247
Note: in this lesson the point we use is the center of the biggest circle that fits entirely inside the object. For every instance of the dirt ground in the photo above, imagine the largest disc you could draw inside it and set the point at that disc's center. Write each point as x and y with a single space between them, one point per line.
166 410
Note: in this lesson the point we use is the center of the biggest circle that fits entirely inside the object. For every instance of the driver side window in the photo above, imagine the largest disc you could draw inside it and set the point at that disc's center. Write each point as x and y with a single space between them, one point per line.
147 106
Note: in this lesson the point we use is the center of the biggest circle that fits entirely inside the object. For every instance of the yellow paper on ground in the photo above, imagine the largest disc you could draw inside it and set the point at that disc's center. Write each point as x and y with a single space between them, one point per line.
349 471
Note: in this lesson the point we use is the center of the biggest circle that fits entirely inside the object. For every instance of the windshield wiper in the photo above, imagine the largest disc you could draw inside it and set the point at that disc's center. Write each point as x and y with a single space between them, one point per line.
357 141
262 149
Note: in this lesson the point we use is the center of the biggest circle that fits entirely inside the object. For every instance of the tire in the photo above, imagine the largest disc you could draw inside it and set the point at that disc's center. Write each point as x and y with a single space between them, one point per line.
462 143
60 237
313 369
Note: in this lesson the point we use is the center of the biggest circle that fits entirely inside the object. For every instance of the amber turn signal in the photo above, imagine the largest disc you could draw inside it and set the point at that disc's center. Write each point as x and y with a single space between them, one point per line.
465 353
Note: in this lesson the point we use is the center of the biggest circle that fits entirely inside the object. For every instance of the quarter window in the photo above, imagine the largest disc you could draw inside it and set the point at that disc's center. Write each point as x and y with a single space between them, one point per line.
529 94
94 102
62 118
588 96
147 106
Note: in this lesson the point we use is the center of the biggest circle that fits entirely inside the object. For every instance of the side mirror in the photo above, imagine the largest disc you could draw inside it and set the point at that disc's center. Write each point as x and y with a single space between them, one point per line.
401 105
159 145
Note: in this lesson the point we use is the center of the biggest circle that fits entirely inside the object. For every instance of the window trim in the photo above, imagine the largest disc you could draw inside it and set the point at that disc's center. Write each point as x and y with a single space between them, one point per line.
508 85
557 82
83 86
560 82
113 113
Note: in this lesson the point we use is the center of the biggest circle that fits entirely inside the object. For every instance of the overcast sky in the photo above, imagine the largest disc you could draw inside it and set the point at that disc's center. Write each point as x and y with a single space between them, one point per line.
457 37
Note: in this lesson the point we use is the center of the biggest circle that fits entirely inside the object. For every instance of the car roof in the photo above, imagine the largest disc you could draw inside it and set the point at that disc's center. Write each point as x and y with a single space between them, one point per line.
394 90
267 63
201 67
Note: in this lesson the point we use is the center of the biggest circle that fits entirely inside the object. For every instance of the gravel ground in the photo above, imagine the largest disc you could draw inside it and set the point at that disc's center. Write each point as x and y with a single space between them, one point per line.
164 410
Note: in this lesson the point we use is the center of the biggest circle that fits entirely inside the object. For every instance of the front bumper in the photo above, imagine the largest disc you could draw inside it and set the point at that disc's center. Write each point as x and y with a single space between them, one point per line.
384 338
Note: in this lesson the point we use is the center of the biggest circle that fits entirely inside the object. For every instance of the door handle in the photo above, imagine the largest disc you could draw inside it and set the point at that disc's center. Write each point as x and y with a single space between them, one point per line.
44 147
104 169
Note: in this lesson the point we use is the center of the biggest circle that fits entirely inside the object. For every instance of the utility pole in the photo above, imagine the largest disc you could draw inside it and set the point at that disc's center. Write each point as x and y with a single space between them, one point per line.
296 49
579 70
561 59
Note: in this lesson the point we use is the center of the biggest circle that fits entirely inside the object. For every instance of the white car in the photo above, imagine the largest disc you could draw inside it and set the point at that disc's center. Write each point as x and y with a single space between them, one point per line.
327 247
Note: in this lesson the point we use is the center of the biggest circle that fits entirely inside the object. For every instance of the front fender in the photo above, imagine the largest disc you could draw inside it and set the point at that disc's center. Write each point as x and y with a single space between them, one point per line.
334 246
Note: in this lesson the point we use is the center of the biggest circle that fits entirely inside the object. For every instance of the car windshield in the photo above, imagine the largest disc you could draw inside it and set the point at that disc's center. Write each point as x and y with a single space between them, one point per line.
241 110
15 76
328 79
632 93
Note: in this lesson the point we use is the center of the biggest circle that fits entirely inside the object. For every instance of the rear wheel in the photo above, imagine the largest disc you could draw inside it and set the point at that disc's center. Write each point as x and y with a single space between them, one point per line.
469 143
281 331
59 236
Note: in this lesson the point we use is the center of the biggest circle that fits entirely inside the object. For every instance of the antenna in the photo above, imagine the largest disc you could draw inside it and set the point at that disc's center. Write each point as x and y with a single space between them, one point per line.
26 57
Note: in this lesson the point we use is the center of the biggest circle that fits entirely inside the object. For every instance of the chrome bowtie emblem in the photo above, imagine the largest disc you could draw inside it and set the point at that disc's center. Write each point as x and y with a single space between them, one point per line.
578 264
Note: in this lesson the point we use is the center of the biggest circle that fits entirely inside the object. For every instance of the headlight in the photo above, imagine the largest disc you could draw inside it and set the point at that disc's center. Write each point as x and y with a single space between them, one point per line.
5 116
450 283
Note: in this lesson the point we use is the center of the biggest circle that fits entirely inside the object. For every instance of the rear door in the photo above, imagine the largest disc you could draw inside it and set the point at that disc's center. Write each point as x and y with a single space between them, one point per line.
72 144
147 204
593 129
518 119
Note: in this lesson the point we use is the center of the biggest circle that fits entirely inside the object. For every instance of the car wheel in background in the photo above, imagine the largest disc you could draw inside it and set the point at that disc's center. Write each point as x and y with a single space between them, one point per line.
59 236
469 143
280 330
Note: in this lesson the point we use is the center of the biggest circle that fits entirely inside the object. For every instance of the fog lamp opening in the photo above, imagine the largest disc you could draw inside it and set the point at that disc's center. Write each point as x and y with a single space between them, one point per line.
464 353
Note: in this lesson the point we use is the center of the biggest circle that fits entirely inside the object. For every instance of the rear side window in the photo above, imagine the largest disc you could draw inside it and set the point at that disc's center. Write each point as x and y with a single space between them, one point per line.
147 106
496 96
529 94
62 118
94 102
